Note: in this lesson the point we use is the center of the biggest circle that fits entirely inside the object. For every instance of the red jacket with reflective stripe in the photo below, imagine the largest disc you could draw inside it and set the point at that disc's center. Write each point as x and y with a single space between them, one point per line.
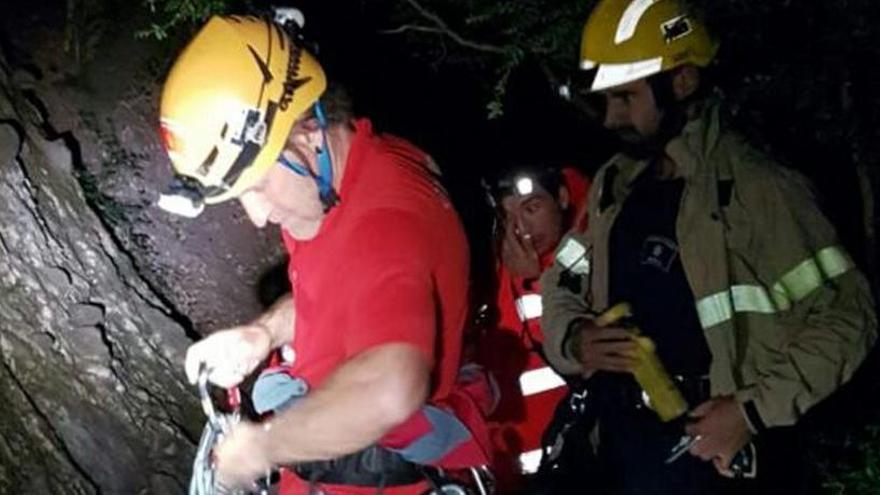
530 390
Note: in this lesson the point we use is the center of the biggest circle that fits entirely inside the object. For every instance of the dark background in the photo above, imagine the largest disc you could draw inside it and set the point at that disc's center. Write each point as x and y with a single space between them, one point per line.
800 79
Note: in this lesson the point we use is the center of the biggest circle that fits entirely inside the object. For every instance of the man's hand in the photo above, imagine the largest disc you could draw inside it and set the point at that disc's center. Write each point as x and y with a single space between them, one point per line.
230 355
241 457
518 253
604 348
723 431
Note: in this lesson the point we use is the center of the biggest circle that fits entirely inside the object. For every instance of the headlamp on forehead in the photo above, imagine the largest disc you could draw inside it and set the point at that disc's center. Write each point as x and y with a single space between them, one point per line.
521 183
184 197
524 185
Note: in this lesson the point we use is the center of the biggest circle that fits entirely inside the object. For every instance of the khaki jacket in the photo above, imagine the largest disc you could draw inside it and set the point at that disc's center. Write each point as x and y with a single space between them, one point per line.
787 316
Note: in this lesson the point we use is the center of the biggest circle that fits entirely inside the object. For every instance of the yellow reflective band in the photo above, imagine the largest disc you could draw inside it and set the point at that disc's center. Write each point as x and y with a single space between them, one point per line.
720 307
530 461
539 380
834 262
573 257
714 309
794 286
828 264
751 299
529 306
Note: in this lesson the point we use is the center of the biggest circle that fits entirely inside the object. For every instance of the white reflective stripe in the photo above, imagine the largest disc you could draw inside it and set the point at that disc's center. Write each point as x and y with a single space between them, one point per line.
573 257
752 299
714 309
834 261
629 21
828 264
539 380
610 75
582 267
529 306
720 307
571 251
530 461
798 283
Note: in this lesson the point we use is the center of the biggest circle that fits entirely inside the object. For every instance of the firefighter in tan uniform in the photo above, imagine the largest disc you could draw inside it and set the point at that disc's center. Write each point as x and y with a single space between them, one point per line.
756 310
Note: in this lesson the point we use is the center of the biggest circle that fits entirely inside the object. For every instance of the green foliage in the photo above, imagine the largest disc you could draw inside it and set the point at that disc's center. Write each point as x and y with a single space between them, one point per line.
170 14
494 38
851 465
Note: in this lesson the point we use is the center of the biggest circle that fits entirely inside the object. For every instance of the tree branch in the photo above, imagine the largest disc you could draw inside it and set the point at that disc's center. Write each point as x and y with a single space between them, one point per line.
412 27
443 28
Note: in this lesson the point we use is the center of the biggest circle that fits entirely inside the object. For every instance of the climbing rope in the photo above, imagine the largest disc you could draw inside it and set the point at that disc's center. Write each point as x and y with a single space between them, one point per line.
204 480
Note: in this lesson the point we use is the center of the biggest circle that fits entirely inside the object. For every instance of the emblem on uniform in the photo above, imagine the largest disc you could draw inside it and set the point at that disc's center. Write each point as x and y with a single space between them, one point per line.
659 252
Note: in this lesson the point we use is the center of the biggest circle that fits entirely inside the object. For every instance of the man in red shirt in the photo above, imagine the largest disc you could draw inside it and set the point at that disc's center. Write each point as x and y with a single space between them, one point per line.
371 334
536 207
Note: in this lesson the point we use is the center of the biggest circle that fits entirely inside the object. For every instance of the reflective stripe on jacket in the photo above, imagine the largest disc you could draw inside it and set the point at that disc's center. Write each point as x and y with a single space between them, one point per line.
787 315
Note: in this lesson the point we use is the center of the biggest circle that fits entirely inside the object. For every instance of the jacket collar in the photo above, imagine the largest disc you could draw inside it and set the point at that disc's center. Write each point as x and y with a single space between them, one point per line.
697 140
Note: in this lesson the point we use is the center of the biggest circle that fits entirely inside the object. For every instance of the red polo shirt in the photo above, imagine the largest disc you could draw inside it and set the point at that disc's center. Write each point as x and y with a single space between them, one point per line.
388 265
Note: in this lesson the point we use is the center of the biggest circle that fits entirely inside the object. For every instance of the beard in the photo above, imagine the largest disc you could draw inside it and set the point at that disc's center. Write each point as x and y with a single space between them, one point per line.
638 146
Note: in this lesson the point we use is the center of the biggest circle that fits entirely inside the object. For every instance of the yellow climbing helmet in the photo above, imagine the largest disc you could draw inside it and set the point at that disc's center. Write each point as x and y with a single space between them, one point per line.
626 40
230 102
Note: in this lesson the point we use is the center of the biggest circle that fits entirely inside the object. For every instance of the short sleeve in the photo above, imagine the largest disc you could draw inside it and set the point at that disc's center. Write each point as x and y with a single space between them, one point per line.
392 296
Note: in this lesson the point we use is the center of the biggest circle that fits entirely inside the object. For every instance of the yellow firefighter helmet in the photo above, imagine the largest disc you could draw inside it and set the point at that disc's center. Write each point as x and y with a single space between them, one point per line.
626 40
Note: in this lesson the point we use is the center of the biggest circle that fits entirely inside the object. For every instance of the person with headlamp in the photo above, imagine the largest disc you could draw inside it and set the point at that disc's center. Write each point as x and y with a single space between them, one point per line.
365 351
534 206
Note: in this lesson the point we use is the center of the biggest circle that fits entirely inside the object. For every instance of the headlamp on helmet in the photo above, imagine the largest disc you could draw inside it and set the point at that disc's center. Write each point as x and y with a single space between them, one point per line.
229 104
522 181
524 185
183 197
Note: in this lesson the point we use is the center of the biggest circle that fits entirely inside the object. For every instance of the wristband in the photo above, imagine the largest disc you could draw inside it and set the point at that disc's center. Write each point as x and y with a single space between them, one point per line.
752 417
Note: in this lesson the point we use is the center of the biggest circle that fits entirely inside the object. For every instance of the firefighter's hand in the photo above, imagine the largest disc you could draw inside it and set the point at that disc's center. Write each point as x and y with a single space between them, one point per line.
604 348
723 431
230 355
518 253
241 458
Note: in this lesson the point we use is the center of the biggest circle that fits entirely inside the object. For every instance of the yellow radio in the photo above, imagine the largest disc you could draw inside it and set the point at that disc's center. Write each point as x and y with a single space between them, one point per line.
663 395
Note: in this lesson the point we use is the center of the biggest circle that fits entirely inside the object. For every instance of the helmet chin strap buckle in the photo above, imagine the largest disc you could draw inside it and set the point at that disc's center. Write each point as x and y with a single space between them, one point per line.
329 199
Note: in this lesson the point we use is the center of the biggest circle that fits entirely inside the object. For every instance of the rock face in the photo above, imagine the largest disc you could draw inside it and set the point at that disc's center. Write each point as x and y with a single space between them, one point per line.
91 393
100 292
103 100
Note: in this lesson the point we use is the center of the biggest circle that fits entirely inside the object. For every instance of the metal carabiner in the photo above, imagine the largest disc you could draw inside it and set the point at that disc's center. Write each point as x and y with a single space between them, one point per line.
219 422
205 398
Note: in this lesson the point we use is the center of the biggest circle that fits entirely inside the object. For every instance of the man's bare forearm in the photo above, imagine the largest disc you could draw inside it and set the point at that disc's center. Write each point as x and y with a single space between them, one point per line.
278 321
357 405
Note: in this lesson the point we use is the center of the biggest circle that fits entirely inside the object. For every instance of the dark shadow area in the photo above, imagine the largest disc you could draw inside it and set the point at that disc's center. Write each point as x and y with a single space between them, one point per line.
273 284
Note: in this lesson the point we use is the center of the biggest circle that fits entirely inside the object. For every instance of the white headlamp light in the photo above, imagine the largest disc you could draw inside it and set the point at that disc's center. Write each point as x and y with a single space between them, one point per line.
524 186
179 204
182 198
